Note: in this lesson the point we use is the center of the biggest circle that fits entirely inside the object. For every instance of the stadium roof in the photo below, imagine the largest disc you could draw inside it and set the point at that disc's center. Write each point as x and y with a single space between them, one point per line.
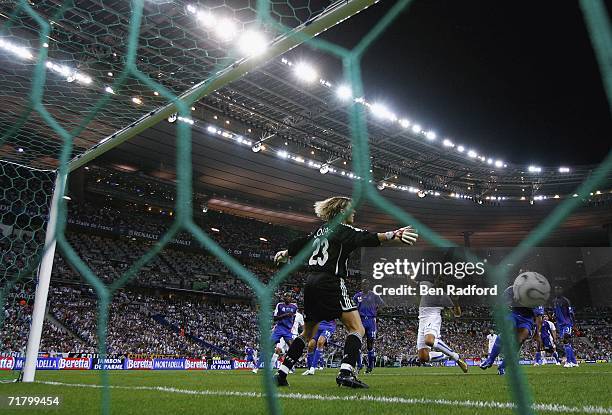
297 120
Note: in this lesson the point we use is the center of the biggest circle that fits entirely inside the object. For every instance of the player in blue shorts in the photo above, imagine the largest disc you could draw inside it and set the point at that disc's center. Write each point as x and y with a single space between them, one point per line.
524 320
564 315
284 315
250 355
367 303
316 345
549 337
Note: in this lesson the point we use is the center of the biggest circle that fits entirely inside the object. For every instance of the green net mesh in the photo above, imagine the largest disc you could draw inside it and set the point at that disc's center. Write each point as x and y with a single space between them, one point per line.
79 77
26 195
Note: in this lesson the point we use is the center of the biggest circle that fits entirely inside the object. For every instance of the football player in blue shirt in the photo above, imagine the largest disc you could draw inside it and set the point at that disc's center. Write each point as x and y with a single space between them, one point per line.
321 338
367 304
284 315
250 355
524 320
564 314
549 338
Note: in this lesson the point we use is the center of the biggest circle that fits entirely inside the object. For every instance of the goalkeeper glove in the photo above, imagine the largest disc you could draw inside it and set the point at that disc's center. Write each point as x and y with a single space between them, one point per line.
406 235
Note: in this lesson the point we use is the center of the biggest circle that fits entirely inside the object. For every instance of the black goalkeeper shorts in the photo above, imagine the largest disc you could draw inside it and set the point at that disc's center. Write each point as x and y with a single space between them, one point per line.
325 298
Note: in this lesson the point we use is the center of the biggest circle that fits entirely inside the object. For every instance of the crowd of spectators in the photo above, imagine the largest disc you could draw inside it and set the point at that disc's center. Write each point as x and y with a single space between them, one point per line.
15 328
134 327
74 328
233 233
100 237
110 238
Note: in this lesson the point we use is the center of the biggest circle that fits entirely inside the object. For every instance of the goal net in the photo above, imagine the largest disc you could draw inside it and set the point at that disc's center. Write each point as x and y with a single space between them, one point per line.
80 77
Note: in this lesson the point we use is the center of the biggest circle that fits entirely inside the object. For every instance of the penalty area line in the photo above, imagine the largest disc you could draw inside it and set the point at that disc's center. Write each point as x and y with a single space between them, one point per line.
398 400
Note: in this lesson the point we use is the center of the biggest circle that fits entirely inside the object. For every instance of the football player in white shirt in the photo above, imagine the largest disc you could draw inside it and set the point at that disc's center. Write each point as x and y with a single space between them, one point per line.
548 334
430 320
298 323
491 337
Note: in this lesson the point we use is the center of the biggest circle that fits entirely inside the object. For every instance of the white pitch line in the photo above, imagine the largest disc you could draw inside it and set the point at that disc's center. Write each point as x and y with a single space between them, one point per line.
543 407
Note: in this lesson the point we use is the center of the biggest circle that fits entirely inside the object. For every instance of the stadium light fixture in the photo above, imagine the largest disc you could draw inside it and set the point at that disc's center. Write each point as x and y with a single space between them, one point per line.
305 72
460 149
256 147
534 169
211 129
172 118
60 69
416 128
564 169
16 50
472 154
324 169
404 123
226 29
282 154
499 163
448 143
381 111
252 43
70 74
344 92
186 120
82 78
381 186
207 19
430 135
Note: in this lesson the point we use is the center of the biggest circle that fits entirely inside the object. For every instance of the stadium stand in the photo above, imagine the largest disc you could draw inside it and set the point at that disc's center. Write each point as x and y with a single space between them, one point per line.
185 302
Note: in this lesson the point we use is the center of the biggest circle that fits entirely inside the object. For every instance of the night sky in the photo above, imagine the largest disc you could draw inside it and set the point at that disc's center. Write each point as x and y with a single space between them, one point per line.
512 79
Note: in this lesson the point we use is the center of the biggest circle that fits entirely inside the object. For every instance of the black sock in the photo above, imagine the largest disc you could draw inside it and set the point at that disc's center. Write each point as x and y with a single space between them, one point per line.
352 345
293 355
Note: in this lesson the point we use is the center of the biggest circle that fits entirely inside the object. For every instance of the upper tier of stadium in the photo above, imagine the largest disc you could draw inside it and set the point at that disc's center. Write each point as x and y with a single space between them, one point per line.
254 188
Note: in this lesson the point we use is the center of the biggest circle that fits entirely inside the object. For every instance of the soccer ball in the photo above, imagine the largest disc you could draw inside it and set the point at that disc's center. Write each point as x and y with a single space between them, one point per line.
531 289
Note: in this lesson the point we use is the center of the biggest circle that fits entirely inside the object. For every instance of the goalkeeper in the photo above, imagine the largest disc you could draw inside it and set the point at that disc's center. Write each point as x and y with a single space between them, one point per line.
325 294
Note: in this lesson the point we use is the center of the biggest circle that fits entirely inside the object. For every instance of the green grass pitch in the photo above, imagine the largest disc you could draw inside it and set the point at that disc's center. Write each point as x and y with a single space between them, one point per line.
586 389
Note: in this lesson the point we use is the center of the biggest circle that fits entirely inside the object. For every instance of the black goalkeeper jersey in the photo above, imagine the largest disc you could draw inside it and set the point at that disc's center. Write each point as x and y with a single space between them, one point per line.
332 249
